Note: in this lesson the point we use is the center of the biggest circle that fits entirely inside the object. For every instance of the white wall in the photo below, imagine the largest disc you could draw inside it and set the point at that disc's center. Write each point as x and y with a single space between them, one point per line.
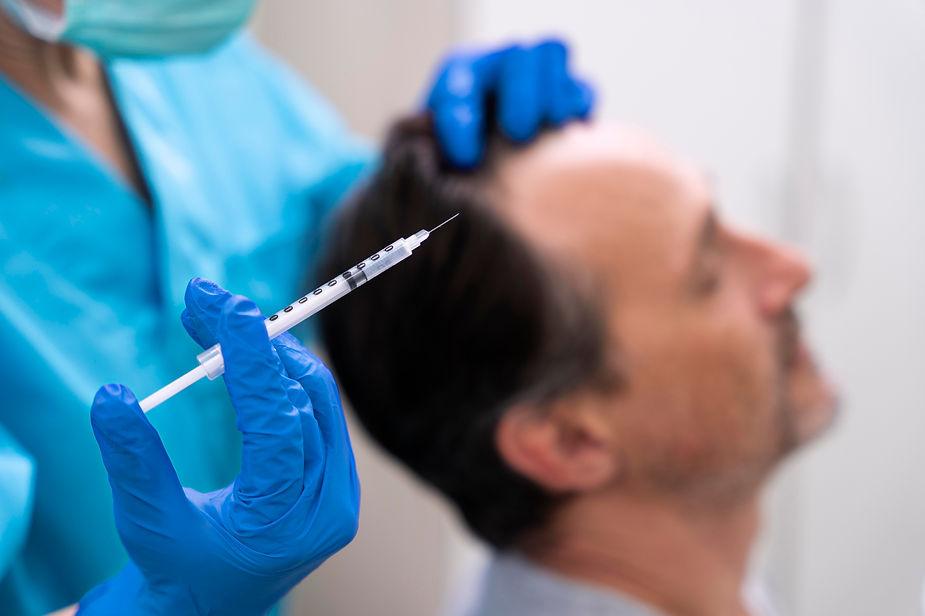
809 114
862 543
371 58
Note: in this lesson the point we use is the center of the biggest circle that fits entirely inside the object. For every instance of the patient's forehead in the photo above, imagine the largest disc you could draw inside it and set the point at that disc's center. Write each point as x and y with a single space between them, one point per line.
604 195
582 143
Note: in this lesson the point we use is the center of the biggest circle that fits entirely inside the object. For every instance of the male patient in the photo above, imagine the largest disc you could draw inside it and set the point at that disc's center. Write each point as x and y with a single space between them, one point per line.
596 369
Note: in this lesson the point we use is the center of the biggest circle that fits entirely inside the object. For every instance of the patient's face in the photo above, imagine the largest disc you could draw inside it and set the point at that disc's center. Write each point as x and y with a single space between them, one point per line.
719 385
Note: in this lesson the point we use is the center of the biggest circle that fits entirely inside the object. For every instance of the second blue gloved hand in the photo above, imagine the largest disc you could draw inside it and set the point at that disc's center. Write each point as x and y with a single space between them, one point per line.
239 549
529 85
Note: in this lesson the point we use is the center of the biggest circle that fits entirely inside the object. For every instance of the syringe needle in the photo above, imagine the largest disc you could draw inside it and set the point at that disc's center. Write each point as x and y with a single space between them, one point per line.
444 222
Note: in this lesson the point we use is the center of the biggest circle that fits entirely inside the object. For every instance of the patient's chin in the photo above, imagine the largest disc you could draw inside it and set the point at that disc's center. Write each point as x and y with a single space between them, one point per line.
811 405
816 421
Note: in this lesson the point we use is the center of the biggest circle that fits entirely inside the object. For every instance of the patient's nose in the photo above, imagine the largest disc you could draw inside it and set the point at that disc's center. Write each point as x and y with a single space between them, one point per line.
785 272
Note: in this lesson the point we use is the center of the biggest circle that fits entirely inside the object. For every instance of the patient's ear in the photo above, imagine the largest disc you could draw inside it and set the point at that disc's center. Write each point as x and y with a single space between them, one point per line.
563 449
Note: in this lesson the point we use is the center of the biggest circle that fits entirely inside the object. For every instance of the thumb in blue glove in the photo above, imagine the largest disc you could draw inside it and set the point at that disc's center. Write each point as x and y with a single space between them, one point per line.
528 86
239 549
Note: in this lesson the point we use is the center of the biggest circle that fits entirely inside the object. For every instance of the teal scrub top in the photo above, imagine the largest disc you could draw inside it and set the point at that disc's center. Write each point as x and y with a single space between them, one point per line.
243 163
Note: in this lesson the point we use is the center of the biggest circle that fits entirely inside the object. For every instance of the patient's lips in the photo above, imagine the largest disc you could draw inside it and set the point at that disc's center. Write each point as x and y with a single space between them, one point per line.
791 347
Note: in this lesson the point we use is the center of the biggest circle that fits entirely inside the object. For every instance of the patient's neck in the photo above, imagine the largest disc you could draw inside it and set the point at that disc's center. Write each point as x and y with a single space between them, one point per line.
683 559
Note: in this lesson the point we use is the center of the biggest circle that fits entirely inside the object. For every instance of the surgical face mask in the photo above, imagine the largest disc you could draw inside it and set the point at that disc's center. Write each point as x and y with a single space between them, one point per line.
120 28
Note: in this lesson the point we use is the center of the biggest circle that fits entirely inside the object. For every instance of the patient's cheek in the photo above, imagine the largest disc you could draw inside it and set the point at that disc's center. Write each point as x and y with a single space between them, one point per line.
709 406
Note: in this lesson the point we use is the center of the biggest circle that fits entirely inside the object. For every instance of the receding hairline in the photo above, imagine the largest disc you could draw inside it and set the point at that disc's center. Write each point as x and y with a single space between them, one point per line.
544 192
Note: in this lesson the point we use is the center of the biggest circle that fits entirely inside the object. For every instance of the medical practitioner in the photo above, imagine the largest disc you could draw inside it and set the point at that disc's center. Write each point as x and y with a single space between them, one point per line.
143 144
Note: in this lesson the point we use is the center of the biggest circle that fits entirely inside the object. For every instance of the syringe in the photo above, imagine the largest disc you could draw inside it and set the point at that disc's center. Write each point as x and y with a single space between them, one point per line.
211 362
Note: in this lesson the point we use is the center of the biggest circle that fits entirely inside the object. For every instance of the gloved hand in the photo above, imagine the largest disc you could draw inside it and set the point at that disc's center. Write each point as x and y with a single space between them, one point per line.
239 549
529 85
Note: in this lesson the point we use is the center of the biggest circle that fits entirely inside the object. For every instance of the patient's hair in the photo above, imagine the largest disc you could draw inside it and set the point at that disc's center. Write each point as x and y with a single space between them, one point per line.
432 353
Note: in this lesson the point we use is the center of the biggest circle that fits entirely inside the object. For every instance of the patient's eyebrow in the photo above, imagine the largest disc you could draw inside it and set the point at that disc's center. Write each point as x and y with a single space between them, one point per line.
706 238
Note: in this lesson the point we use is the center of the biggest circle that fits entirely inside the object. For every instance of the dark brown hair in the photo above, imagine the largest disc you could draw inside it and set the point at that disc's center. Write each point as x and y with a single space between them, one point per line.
432 354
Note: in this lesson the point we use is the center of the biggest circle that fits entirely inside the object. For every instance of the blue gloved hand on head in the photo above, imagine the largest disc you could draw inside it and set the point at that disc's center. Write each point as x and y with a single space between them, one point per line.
529 86
239 549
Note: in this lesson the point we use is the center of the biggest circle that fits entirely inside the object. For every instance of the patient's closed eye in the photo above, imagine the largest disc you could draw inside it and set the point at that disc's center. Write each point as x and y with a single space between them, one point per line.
707 270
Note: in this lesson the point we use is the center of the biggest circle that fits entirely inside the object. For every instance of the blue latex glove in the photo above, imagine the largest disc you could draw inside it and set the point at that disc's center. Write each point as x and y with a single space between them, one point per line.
529 86
295 502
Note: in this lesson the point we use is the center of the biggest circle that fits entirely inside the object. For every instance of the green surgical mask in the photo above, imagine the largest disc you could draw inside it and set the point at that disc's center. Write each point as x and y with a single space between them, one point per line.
139 28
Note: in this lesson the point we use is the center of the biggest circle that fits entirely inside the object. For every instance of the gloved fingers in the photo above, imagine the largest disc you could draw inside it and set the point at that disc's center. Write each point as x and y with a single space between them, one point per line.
458 127
582 98
566 96
458 114
290 352
270 480
318 382
312 447
528 86
555 82
520 97
109 597
457 102
193 328
204 301
146 491
462 76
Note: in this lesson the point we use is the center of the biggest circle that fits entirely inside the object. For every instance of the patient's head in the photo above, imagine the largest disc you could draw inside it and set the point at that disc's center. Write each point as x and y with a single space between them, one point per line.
587 327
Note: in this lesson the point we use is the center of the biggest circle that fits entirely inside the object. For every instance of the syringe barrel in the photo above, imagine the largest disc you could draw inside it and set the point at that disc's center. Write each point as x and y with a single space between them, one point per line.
212 361
214 364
